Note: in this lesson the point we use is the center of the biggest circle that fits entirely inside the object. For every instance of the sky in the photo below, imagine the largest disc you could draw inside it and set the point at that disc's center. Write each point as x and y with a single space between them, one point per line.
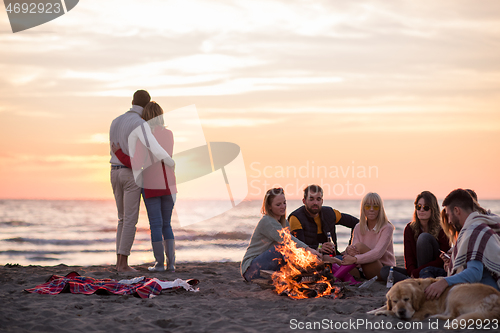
393 97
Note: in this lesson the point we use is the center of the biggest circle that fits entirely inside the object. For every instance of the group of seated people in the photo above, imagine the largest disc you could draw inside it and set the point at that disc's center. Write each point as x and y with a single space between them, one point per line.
461 242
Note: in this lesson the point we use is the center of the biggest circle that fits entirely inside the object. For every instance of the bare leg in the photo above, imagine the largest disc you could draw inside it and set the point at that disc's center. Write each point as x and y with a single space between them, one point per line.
354 272
123 266
371 269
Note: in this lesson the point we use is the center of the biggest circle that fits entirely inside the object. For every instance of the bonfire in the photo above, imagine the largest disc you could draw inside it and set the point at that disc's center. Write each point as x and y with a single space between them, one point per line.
303 275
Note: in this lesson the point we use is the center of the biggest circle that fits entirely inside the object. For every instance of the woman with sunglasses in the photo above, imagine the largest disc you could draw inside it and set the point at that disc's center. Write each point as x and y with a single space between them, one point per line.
372 245
424 239
262 252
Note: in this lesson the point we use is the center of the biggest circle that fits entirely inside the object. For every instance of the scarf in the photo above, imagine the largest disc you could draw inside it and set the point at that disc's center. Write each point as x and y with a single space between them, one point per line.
479 240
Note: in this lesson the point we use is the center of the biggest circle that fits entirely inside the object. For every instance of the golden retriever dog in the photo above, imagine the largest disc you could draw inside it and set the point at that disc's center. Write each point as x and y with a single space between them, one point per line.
407 300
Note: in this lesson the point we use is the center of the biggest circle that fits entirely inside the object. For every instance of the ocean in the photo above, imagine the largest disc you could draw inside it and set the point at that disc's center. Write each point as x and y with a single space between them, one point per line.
83 232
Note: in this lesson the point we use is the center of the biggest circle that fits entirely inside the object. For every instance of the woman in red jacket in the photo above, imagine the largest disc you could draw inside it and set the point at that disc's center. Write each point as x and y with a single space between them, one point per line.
424 239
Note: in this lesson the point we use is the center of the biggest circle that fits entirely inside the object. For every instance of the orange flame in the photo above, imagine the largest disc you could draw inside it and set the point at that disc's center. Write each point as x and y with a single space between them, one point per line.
297 262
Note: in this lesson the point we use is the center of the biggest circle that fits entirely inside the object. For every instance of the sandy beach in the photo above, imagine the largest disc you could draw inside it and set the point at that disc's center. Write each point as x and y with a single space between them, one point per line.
224 303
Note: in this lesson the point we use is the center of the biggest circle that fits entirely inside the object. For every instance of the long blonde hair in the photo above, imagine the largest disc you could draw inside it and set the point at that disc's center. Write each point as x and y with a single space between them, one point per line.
268 200
375 200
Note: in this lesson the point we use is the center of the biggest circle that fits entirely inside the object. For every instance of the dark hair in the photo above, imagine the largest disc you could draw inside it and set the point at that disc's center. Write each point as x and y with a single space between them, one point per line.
477 206
313 189
141 98
472 193
459 198
434 223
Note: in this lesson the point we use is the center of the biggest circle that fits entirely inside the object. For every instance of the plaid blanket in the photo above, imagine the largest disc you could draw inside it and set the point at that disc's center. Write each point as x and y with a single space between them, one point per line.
479 240
76 284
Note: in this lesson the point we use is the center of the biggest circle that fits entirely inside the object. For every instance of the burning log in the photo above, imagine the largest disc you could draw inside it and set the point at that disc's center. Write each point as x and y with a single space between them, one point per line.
321 287
308 293
303 275
306 278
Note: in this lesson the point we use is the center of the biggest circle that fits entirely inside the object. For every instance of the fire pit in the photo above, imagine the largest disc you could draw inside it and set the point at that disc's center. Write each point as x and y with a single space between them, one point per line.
303 275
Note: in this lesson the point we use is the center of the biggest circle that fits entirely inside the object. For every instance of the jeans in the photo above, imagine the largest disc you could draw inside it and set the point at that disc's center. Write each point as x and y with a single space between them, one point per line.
427 249
269 260
432 272
160 214
399 273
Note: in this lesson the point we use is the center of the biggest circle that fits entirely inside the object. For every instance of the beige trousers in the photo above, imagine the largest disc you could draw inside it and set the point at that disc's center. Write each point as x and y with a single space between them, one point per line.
128 198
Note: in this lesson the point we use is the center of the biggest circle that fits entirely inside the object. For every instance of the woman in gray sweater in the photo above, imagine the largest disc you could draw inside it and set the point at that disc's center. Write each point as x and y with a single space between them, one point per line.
261 252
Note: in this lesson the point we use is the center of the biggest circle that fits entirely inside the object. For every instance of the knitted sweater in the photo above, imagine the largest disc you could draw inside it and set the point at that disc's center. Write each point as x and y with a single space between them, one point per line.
380 243
263 238
478 240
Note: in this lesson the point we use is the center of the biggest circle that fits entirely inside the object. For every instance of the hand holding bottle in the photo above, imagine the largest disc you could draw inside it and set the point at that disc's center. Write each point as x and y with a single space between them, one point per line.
328 248
330 241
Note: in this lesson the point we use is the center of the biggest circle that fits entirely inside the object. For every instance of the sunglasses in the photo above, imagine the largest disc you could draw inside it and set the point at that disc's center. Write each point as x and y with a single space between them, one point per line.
276 190
375 207
425 207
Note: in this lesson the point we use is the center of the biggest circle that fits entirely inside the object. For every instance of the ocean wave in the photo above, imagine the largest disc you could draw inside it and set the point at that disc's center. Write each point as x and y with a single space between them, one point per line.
65 242
15 224
229 235
113 229
50 252
38 258
24 252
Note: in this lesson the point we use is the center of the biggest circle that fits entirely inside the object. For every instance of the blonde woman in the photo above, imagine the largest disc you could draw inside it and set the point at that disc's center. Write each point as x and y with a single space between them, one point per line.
261 252
372 245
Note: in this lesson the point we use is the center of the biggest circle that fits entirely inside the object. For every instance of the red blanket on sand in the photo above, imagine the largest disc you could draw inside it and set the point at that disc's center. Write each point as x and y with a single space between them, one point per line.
77 284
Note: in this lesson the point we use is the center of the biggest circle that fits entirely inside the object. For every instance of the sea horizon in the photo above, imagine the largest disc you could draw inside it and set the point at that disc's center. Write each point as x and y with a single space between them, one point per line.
83 232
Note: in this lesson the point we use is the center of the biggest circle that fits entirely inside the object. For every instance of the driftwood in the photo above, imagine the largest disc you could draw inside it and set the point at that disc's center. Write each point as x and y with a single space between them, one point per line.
264 283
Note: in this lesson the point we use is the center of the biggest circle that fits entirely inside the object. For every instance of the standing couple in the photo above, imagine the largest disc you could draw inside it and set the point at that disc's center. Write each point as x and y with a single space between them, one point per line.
141 162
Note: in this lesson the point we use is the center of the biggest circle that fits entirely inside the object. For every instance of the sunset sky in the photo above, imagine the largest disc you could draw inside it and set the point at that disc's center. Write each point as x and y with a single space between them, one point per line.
394 97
